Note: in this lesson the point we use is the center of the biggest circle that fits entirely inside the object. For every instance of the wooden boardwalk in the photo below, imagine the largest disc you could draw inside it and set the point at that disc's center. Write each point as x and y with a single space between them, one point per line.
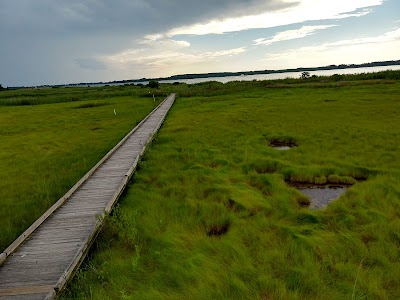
41 261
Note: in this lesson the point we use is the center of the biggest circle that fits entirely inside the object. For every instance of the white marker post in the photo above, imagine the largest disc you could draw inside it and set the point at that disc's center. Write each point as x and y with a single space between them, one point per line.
154 98
115 113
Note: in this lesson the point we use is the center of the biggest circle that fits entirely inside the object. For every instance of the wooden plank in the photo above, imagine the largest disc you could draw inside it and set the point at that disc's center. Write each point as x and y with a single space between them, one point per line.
25 297
25 290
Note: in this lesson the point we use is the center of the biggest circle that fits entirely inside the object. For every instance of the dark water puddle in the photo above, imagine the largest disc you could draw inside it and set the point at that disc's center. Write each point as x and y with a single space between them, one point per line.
282 146
321 195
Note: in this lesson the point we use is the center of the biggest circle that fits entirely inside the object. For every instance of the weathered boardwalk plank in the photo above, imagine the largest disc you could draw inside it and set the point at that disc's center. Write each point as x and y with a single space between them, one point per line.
40 262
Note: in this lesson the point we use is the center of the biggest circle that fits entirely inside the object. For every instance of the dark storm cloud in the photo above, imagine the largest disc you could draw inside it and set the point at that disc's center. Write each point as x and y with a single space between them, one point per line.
123 16
56 41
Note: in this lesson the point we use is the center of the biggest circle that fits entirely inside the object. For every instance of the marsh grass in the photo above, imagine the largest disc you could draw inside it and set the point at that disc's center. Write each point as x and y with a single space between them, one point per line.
46 148
210 215
31 96
91 105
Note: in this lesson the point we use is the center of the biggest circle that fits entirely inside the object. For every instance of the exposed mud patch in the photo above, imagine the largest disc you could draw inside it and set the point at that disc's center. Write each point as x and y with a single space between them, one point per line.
321 195
218 230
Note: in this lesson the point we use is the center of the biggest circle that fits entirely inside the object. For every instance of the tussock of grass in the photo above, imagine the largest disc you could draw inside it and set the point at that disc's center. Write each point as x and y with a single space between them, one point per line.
213 217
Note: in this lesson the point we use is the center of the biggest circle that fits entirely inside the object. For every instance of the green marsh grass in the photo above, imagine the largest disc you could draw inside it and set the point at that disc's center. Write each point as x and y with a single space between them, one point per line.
47 147
209 214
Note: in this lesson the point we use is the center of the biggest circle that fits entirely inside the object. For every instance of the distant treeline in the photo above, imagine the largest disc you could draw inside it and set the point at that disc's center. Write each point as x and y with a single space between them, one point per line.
260 72
37 96
226 74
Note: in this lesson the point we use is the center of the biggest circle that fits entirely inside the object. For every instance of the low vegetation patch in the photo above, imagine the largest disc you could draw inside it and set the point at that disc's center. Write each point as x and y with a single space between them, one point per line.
212 215
334 180
91 105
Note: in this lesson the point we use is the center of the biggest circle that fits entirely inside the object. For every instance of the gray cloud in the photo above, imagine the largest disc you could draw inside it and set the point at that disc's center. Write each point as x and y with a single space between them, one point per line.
62 41
53 41
120 16
90 64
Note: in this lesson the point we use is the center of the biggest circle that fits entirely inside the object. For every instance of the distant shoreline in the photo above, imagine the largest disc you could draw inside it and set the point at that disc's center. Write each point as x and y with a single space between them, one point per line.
231 74
261 72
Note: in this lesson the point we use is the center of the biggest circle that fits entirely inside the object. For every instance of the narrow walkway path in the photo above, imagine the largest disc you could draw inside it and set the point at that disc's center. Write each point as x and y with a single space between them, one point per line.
40 262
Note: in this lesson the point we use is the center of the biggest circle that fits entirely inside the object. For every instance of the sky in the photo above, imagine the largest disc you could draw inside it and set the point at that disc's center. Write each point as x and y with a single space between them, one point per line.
71 41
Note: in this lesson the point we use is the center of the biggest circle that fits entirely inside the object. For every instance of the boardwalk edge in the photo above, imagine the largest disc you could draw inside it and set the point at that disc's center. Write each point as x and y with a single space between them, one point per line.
26 234
79 258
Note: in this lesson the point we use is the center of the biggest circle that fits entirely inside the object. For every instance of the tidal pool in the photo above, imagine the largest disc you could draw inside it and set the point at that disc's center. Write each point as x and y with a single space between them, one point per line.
282 148
321 196
282 145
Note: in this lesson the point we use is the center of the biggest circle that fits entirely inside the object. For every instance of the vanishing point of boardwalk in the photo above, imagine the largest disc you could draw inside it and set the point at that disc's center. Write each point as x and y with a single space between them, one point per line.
40 262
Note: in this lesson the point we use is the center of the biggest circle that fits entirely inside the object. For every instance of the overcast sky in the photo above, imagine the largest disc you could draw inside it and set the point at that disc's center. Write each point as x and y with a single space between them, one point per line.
71 41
